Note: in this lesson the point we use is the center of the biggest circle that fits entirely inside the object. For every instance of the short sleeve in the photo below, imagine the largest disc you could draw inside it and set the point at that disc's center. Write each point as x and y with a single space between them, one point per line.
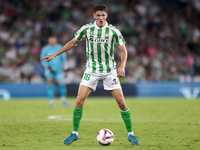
119 38
80 33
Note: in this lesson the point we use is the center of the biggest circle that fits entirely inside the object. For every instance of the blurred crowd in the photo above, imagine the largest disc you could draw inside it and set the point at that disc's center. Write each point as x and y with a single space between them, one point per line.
162 44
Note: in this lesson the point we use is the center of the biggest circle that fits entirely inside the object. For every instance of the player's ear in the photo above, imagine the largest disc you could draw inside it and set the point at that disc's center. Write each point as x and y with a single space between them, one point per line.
94 15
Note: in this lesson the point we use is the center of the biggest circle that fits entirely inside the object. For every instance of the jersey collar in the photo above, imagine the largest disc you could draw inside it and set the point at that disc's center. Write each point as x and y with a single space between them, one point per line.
102 27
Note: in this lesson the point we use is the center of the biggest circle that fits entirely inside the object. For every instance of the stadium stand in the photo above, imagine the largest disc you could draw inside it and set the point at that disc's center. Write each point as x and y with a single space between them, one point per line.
162 38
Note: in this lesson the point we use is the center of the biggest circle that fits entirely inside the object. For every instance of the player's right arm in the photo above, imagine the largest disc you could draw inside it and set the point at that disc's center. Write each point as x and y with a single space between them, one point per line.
65 48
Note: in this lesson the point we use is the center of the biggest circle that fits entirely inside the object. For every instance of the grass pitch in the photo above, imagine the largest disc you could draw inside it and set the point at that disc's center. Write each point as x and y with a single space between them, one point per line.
160 124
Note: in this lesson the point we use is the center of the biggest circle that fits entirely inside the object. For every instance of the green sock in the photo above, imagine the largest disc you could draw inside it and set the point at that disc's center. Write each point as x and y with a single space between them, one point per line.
77 115
126 115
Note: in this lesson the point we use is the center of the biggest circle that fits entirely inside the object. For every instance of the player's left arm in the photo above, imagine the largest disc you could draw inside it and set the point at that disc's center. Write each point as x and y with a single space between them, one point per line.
121 69
120 42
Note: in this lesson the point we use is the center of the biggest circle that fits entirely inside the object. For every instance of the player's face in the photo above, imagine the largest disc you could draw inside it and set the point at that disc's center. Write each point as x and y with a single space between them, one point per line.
100 17
52 41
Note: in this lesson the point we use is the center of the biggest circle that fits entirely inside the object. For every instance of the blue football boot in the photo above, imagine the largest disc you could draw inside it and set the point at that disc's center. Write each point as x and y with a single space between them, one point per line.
133 139
73 137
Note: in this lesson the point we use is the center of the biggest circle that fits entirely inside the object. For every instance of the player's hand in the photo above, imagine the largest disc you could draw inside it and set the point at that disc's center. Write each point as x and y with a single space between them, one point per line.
48 58
121 72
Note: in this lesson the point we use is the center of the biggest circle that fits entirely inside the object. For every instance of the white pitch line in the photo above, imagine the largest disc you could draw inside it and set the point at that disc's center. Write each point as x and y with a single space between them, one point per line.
62 117
69 118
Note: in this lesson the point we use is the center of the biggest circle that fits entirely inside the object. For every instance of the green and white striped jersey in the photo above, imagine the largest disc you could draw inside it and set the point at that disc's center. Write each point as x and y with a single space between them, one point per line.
100 46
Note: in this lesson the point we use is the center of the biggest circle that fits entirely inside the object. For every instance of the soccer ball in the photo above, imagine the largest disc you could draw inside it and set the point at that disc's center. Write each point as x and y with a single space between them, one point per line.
105 137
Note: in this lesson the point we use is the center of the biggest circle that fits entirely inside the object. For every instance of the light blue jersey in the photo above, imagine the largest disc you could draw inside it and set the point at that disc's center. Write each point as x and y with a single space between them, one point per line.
57 64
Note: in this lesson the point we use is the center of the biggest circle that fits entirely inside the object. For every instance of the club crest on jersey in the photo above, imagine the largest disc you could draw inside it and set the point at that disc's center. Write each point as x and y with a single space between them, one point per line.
91 33
107 34
94 40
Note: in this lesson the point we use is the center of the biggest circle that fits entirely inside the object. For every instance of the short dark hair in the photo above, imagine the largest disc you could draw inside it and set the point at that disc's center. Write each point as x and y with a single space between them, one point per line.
99 7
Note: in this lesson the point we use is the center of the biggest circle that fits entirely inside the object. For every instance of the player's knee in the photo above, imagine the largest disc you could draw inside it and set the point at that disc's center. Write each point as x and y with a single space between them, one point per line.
122 105
79 103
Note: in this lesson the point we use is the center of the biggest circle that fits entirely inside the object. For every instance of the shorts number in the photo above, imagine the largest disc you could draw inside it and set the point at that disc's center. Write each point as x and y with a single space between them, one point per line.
87 77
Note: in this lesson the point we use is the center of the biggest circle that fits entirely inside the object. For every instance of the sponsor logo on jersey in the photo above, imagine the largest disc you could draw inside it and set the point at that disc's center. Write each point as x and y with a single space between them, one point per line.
94 40
120 36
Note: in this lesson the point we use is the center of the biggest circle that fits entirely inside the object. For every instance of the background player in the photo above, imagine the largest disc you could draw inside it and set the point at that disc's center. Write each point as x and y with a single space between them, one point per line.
54 70
100 65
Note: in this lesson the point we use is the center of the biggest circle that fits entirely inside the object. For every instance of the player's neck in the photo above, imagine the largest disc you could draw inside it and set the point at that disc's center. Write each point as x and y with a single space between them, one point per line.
99 25
53 45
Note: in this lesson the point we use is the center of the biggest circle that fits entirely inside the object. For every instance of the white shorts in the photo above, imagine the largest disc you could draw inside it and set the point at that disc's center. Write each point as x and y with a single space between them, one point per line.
110 80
